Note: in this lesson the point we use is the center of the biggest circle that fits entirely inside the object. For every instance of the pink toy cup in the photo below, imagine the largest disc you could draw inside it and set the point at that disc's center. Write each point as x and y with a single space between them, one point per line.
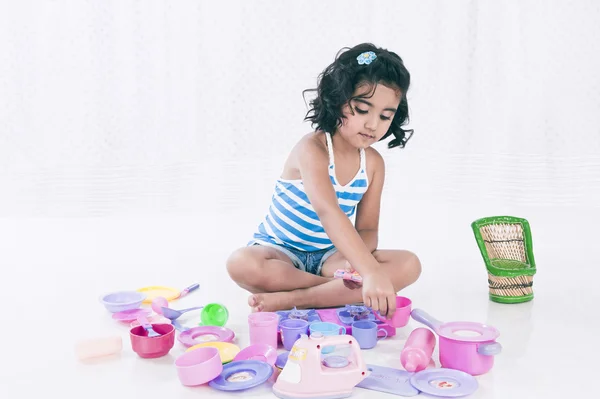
152 347
199 366
263 328
291 330
402 314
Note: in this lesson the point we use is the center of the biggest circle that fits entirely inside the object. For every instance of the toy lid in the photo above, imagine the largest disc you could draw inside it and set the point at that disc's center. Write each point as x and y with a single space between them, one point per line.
444 382
468 331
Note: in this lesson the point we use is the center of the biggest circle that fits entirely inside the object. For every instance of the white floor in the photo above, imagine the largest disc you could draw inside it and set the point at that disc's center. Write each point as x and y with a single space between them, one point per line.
54 270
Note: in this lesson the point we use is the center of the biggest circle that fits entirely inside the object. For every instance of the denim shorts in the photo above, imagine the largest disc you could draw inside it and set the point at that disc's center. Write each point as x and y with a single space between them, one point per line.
310 262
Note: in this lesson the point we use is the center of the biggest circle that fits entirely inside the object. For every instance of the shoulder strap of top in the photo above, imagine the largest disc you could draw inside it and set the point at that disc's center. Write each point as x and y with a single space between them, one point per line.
329 147
363 160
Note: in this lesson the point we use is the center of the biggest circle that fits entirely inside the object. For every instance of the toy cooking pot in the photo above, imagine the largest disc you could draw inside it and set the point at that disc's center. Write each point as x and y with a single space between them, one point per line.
464 345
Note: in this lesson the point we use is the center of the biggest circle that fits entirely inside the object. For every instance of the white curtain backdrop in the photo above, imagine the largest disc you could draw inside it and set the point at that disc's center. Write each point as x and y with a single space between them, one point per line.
187 109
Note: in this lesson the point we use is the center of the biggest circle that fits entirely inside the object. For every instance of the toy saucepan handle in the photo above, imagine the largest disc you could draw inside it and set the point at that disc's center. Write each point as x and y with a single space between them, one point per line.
423 317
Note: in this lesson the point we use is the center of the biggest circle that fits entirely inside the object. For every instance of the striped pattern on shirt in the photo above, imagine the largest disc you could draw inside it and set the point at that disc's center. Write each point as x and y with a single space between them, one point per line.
292 221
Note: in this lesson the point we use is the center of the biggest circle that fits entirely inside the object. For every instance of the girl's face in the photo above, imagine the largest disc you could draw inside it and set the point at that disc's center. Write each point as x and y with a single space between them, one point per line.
368 119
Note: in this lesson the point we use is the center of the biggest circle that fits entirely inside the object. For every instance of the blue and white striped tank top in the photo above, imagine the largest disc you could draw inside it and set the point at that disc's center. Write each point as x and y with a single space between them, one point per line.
292 221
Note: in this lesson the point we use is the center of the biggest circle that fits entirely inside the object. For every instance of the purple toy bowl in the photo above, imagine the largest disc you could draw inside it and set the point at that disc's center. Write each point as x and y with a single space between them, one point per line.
152 347
122 300
199 366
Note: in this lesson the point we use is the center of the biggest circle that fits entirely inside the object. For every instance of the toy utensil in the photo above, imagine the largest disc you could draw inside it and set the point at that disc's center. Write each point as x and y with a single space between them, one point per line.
189 289
173 314
147 326
178 326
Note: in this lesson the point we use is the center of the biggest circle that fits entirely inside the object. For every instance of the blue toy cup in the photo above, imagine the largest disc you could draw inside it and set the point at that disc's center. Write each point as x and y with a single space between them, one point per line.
327 328
365 333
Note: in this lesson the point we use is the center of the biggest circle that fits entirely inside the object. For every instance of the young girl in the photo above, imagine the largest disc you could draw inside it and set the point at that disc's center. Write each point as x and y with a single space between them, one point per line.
331 175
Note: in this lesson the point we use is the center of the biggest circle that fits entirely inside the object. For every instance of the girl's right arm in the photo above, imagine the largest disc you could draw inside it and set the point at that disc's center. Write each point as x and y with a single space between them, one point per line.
313 161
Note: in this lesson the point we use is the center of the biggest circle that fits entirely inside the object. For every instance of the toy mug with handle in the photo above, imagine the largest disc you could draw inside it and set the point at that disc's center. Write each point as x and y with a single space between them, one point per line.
365 332
402 314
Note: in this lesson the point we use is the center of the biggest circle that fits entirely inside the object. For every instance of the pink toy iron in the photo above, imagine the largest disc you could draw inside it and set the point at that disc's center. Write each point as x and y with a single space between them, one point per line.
307 375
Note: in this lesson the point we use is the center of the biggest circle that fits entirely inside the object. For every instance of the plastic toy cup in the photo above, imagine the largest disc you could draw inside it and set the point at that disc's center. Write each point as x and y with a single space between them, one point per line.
152 347
263 328
401 315
327 328
365 333
199 366
291 330
214 314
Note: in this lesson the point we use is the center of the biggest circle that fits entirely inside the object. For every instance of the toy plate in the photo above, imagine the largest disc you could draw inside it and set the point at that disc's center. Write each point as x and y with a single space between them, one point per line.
198 335
155 291
227 350
127 316
243 374
332 315
444 382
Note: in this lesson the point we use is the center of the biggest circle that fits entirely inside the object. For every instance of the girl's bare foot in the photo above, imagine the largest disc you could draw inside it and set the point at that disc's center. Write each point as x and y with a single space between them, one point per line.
272 301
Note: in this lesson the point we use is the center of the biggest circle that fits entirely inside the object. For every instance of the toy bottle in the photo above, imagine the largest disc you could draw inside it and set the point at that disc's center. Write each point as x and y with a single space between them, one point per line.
417 351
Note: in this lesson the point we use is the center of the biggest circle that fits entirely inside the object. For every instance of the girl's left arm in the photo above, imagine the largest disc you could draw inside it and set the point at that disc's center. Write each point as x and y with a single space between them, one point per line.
367 212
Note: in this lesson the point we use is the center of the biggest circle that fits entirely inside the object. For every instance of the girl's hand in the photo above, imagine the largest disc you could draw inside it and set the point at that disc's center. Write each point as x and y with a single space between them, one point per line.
379 294
350 283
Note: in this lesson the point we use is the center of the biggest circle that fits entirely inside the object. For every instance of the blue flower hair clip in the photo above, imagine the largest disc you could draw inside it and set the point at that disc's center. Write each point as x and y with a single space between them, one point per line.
366 58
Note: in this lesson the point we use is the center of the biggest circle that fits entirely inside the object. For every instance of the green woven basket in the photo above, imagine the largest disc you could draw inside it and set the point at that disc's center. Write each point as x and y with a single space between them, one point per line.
507 250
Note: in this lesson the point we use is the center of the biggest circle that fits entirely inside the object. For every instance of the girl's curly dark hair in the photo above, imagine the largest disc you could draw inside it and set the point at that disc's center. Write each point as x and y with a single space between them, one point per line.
337 83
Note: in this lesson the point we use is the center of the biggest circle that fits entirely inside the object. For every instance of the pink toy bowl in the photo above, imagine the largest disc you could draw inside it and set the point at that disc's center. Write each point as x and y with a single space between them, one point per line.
402 314
152 347
199 366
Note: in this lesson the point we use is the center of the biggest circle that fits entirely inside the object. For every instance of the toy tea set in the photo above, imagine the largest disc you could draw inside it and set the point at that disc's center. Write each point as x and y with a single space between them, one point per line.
322 357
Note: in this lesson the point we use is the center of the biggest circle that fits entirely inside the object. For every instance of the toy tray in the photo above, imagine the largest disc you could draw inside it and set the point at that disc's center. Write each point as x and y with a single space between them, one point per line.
311 315
341 317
